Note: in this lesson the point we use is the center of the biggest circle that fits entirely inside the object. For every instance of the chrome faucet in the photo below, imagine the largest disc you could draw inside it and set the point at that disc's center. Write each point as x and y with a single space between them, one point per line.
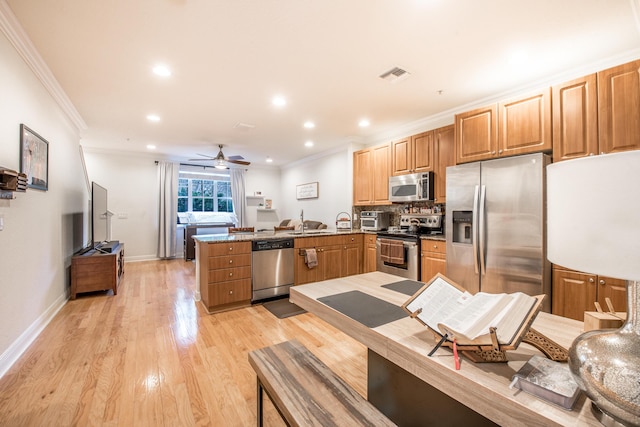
302 220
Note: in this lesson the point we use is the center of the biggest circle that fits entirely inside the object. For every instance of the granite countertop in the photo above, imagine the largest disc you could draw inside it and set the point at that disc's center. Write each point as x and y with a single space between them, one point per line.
270 234
439 237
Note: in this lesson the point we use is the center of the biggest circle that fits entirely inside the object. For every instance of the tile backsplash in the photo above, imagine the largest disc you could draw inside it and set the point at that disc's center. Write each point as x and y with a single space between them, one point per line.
396 210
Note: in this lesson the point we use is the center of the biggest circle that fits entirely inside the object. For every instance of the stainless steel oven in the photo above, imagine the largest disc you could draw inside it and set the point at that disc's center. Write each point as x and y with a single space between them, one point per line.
408 265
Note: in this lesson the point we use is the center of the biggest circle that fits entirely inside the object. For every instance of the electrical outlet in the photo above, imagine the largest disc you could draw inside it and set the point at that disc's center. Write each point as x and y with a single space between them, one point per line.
1 222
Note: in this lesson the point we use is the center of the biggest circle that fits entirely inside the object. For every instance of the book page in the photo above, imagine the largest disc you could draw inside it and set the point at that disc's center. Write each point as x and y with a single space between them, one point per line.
510 319
474 315
436 301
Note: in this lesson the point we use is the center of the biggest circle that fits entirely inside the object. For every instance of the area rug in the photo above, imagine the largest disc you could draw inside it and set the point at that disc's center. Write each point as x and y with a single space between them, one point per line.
282 308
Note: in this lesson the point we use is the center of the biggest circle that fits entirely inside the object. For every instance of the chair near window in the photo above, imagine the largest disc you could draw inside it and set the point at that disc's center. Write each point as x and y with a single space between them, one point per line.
240 230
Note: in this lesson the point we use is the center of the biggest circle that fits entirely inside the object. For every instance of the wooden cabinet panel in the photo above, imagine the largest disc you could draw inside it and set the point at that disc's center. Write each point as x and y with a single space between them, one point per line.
423 152
615 290
476 134
413 154
369 253
575 118
402 156
338 256
362 181
230 292
445 154
229 261
433 259
371 170
619 108
226 281
525 124
573 293
379 174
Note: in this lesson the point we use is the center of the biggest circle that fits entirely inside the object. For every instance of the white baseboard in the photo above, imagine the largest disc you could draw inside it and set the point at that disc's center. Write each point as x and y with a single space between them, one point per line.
19 346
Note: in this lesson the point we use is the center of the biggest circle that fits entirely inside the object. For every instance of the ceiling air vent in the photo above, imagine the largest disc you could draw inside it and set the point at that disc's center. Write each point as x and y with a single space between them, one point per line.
395 75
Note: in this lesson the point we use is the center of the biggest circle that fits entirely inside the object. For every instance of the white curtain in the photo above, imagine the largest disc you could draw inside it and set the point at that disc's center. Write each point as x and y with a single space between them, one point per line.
238 196
167 208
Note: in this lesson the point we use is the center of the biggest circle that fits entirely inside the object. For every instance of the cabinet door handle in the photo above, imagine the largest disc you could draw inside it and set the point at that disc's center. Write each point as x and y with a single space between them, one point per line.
602 282
499 151
591 280
230 248
230 274
230 261
231 292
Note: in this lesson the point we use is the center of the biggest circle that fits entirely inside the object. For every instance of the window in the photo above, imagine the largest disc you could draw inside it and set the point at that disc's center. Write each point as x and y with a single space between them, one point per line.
204 195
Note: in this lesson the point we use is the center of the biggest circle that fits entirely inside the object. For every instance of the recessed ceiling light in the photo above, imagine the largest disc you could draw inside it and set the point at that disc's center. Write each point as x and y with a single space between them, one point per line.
153 118
269 160
308 144
161 70
363 123
279 101
309 125
151 147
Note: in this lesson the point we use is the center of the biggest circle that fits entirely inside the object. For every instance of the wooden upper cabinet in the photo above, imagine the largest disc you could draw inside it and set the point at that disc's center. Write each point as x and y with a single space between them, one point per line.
380 174
575 118
476 134
371 170
362 183
525 124
402 156
444 149
619 108
423 152
413 154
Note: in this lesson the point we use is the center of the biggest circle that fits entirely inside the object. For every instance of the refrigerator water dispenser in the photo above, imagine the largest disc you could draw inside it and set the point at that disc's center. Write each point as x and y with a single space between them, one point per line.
462 226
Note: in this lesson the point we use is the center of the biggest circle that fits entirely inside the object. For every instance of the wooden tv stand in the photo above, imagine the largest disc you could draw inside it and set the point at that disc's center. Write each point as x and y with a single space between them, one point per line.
97 271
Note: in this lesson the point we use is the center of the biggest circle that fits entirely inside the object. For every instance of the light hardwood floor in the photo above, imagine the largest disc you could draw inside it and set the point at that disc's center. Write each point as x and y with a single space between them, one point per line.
152 356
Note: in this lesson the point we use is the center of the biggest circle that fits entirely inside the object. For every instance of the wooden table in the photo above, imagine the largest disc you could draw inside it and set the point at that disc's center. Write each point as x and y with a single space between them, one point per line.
404 343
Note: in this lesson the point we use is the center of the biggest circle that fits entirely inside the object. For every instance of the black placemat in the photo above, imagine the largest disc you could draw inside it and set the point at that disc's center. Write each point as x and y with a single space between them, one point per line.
407 287
370 311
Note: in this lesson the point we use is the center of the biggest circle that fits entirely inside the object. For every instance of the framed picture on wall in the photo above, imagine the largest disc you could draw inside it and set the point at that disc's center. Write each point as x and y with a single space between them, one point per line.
307 191
34 158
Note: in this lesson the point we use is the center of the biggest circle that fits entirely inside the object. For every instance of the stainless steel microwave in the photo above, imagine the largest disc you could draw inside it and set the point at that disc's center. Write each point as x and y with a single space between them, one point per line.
414 187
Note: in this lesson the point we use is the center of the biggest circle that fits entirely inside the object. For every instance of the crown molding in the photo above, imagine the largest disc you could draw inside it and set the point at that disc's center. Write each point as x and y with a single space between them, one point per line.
22 43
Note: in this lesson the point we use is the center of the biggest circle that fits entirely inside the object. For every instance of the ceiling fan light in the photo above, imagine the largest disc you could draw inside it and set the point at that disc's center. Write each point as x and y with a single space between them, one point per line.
220 164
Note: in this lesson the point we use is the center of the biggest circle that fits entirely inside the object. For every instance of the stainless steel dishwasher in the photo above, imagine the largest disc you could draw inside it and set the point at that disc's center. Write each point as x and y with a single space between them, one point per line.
271 268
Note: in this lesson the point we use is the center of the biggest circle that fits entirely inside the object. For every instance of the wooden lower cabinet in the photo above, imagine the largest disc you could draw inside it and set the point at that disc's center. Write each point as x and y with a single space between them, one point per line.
226 283
338 256
369 248
575 292
97 271
433 259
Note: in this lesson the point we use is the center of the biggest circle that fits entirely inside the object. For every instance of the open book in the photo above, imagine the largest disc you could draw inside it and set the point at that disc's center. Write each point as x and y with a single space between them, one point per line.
448 309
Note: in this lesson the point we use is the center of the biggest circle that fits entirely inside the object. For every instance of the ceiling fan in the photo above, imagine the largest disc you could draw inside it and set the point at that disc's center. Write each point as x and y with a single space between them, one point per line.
221 161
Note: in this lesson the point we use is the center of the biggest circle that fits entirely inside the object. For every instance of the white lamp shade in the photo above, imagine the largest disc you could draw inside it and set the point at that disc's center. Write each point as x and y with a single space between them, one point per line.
593 214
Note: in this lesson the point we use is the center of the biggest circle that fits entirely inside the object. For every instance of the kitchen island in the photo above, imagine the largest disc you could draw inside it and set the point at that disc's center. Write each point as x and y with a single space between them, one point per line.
413 389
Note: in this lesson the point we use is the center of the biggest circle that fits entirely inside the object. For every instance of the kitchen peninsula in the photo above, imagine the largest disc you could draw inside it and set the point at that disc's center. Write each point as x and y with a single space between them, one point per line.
413 389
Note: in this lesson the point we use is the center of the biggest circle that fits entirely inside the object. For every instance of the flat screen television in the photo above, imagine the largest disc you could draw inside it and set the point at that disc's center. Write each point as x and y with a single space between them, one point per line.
100 216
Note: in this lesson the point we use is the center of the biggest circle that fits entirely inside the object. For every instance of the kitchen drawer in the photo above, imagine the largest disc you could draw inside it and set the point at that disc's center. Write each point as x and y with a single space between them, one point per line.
224 274
229 292
229 261
437 246
226 248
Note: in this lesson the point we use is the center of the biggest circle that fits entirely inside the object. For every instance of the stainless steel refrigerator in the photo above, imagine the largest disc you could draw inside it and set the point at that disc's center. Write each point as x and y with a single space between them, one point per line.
496 226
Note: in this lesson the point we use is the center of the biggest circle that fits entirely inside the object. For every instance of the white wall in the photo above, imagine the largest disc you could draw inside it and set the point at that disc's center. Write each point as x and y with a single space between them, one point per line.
266 181
131 181
333 172
42 229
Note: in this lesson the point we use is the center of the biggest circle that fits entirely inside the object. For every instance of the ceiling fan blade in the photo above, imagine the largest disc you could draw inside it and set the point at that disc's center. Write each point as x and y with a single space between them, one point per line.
239 162
235 158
